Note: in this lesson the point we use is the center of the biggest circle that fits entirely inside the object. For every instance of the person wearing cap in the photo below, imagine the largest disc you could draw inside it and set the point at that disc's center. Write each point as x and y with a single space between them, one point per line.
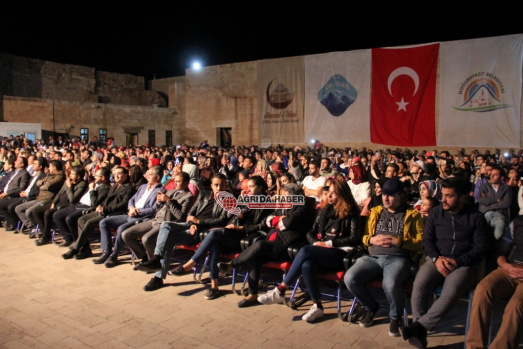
393 236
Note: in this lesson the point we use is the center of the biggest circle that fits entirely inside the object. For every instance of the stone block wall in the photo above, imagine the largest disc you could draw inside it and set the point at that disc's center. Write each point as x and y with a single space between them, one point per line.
222 97
117 119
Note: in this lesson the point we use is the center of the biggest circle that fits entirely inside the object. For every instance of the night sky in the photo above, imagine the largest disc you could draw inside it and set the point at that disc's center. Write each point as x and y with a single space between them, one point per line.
161 38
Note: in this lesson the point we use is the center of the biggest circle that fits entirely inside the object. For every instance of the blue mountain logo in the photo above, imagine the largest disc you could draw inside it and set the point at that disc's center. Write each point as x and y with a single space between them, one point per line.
337 95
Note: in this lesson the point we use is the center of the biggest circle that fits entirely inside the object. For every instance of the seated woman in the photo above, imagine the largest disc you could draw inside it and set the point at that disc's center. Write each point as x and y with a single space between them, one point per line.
168 172
282 181
335 231
272 183
228 238
359 186
428 188
288 226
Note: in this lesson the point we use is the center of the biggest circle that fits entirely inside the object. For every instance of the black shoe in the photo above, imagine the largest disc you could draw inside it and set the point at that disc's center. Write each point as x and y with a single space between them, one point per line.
65 243
245 303
357 313
153 284
368 318
150 266
84 253
42 241
178 271
102 259
212 293
10 228
70 254
25 231
225 267
416 334
394 328
111 262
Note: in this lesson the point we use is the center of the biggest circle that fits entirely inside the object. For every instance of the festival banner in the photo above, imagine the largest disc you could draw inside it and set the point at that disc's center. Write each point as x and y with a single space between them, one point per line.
480 92
280 100
337 97
403 95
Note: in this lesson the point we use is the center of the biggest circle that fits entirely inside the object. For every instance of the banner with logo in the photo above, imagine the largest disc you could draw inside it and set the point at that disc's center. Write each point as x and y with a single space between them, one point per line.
280 97
403 95
480 92
337 97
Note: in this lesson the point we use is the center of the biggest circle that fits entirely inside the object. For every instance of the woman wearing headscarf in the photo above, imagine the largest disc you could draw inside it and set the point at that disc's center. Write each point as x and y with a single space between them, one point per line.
428 188
358 184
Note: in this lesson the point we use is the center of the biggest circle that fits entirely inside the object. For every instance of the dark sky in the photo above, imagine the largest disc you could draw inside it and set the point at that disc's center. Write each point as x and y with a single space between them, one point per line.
160 38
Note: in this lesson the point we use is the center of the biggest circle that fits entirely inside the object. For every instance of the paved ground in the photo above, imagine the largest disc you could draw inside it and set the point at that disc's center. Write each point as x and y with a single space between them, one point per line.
48 302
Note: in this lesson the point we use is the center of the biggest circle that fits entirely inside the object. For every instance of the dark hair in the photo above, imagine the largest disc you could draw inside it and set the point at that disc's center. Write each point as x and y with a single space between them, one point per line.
220 176
315 163
57 164
79 170
455 183
260 182
185 176
24 161
43 162
106 173
395 167
433 201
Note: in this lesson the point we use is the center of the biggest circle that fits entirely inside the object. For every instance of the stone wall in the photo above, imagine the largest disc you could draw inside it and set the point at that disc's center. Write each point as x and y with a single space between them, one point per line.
27 77
222 97
70 117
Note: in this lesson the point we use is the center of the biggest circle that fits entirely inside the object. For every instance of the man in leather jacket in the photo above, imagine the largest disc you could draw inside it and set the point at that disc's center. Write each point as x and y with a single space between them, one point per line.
206 213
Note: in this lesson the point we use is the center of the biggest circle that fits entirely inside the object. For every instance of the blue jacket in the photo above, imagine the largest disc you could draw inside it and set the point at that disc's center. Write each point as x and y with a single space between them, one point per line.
150 203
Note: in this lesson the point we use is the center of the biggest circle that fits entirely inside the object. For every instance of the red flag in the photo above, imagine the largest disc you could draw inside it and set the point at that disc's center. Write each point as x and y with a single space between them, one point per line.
403 96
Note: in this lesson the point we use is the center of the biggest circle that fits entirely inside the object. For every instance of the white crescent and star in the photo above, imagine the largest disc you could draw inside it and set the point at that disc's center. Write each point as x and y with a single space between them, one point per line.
402 105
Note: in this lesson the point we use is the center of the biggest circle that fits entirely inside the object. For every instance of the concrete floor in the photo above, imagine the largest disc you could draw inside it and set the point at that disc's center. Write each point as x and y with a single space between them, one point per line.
48 302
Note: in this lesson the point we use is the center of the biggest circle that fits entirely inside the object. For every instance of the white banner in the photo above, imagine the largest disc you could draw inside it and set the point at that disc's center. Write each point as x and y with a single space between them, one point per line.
337 96
480 92
280 100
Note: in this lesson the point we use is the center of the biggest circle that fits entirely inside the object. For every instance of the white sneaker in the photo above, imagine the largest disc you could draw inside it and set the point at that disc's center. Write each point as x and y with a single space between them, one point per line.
271 297
313 313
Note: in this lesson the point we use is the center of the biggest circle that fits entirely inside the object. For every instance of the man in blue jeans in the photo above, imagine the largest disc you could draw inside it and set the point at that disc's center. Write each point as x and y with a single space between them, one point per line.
205 214
142 204
393 237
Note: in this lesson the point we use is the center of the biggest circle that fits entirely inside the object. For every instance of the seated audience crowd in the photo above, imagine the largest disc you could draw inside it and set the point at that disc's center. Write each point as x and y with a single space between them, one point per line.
440 222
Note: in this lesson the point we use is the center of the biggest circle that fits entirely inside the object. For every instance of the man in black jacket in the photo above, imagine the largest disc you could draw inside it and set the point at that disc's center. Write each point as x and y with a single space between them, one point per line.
66 219
455 241
115 203
8 204
205 214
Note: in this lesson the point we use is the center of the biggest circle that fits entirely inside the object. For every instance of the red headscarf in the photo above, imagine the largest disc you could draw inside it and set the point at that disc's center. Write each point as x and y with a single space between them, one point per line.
357 173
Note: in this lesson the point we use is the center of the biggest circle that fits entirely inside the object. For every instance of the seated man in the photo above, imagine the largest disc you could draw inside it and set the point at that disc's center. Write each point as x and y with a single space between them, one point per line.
393 235
49 186
142 204
72 190
66 219
171 206
455 241
8 205
502 283
115 203
206 213
495 200
314 182
18 181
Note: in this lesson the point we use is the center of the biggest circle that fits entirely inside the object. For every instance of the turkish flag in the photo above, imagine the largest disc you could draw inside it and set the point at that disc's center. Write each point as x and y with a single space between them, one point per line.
403 95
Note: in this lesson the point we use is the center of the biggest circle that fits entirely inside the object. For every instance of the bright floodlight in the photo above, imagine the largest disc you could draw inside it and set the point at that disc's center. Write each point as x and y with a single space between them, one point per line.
196 66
